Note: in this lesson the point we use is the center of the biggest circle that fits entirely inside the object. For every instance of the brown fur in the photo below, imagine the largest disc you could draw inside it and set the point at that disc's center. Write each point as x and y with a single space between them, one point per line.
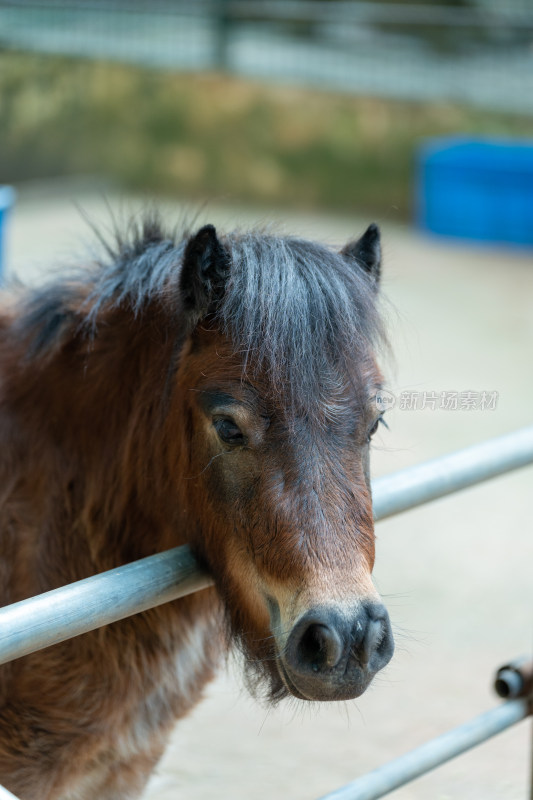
106 456
83 491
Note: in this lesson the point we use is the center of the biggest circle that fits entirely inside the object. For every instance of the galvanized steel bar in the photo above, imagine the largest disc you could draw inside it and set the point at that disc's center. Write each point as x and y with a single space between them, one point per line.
5 795
515 679
63 613
432 754
88 604
416 485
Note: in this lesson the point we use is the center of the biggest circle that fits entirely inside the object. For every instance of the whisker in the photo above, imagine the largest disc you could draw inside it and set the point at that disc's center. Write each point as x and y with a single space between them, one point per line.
217 455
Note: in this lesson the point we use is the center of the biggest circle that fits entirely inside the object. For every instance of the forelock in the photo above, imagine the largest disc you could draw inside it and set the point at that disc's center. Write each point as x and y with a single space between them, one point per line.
298 312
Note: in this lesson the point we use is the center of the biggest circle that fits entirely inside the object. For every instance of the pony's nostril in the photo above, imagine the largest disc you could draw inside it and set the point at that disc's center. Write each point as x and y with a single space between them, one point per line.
372 639
320 647
336 650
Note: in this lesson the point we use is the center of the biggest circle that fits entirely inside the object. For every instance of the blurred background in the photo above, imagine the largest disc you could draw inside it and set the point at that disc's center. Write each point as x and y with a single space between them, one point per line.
321 116
306 104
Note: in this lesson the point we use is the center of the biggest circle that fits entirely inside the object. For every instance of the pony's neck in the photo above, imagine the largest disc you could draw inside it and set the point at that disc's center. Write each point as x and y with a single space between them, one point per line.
106 433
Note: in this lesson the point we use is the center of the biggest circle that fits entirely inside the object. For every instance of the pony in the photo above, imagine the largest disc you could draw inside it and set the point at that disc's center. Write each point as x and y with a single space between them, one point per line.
214 390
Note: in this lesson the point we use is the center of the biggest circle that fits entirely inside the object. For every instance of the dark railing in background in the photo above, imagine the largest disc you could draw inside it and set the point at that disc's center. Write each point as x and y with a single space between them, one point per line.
480 54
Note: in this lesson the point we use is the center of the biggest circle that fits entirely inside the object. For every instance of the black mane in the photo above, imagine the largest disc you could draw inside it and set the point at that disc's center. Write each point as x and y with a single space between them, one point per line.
299 310
295 308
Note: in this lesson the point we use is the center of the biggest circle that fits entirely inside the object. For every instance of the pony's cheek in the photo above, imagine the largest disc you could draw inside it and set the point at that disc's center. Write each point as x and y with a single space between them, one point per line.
231 478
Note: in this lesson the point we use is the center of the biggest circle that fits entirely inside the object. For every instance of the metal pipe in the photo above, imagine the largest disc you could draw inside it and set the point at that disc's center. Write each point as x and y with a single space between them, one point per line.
6 795
432 754
416 485
63 613
509 684
515 679
52 617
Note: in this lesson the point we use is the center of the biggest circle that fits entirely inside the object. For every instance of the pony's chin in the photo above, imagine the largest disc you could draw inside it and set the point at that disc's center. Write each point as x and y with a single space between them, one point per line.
321 691
276 683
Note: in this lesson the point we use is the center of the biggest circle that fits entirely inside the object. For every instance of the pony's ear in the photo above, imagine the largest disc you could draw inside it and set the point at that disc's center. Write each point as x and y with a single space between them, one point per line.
204 272
366 251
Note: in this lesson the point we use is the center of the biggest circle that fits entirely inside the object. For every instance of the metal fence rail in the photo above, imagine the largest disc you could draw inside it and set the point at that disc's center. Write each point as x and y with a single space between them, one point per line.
61 614
5 795
441 476
433 753
513 681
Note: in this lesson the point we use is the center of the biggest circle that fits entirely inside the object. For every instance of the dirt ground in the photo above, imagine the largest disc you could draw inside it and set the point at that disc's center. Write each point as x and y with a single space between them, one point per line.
456 574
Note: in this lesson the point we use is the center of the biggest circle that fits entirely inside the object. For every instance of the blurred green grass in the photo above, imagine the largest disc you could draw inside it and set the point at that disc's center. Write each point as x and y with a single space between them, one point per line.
220 137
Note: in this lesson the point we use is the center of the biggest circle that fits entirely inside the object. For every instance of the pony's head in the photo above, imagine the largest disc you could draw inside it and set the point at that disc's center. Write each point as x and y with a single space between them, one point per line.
276 389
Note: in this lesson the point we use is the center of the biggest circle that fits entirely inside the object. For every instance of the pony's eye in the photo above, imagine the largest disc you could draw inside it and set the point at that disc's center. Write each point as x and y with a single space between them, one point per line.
228 432
373 429
375 426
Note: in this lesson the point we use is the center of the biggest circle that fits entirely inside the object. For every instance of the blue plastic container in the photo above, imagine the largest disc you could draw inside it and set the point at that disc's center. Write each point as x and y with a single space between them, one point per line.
476 189
7 198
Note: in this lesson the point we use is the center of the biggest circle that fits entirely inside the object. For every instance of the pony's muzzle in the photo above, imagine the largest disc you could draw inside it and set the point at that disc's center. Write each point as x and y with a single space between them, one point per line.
329 656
